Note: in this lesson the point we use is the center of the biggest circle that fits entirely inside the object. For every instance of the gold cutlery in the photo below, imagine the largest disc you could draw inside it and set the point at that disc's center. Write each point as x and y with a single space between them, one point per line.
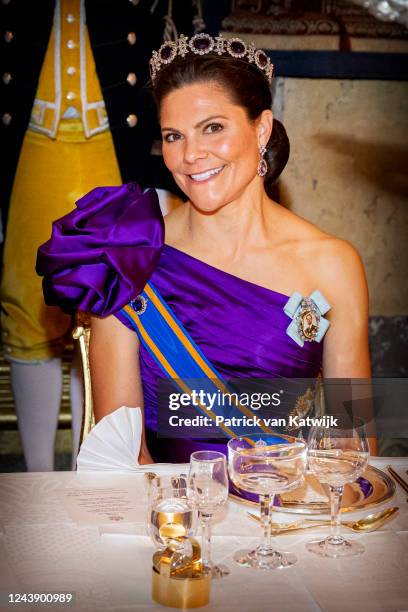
398 479
179 483
149 476
371 522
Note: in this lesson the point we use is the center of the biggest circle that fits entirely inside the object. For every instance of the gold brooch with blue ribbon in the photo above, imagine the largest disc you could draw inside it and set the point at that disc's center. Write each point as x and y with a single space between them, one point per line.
307 313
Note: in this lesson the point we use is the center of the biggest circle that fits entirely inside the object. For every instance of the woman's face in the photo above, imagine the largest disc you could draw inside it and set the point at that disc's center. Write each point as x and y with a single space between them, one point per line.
209 144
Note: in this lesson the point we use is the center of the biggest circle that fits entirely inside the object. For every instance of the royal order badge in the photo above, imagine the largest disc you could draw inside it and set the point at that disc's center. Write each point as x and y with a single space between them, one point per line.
308 323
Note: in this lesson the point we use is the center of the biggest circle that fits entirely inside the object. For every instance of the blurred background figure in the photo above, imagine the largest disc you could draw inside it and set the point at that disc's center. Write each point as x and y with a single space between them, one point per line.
75 114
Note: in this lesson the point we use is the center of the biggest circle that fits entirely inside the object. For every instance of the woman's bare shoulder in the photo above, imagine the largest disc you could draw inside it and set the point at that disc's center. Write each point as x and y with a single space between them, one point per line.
296 228
333 264
338 270
315 241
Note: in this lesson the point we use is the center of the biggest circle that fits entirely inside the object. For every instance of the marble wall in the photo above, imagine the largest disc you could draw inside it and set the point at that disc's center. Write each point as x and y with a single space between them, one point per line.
348 172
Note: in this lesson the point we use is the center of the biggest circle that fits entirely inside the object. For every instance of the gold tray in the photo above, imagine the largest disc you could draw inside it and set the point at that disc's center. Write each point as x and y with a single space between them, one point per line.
373 488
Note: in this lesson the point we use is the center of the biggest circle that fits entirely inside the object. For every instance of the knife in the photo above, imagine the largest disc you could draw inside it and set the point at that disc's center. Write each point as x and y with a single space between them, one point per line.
398 479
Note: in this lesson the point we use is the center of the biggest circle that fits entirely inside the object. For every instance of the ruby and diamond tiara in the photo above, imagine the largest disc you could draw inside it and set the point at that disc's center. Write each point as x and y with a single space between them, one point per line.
201 44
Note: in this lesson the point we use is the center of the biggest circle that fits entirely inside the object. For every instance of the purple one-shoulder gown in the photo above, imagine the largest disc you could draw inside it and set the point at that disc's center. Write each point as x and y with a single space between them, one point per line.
102 254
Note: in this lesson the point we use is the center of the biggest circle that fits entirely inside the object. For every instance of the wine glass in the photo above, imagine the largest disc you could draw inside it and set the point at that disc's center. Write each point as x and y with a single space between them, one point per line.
266 465
171 514
208 490
337 454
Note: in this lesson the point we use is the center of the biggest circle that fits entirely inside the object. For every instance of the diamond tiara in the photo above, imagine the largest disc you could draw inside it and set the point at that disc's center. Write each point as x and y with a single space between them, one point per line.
201 44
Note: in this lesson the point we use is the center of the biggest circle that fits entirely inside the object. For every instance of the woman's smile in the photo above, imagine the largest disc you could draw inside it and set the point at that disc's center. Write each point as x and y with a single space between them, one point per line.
207 175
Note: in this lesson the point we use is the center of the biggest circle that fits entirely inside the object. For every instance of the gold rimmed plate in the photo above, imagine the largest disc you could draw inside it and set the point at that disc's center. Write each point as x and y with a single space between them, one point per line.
372 488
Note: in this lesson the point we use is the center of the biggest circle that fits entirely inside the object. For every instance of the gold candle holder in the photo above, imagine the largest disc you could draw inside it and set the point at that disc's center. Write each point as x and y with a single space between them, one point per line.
178 577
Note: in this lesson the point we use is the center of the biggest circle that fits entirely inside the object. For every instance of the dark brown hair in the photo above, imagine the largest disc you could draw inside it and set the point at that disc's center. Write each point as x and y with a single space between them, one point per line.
246 85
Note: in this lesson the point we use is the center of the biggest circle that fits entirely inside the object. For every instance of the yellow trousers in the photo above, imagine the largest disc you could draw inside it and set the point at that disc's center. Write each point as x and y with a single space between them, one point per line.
51 175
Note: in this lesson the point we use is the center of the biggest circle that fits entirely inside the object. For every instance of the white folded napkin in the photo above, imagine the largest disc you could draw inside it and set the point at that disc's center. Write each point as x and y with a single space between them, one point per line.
114 443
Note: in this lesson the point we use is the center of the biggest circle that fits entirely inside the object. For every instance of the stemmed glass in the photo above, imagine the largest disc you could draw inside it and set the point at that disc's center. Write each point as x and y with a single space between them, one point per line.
266 465
208 490
337 455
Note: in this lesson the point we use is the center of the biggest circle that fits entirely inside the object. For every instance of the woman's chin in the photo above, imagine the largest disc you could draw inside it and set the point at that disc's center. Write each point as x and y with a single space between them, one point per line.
207 201
207 206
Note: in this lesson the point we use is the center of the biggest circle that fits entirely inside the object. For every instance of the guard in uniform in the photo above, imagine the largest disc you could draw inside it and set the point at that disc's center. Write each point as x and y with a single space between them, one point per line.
75 114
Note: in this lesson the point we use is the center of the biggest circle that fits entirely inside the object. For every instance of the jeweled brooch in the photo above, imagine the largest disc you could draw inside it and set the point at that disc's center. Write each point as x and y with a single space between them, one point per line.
139 304
308 323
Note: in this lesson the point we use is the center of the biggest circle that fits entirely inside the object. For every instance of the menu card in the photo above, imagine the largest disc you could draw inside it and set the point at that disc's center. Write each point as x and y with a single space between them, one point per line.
95 498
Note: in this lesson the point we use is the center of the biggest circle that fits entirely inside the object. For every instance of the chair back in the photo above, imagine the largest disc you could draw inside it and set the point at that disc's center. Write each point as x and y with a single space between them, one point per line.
82 334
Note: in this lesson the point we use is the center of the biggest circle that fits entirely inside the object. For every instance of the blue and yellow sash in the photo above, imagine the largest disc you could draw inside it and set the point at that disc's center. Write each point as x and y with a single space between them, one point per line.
178 356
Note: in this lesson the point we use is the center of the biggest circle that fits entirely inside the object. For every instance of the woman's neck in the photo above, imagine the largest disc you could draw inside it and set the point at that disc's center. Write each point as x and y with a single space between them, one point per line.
236 226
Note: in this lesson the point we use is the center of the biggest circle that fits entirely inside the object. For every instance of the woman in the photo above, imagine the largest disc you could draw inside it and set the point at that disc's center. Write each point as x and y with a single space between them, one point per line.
232 256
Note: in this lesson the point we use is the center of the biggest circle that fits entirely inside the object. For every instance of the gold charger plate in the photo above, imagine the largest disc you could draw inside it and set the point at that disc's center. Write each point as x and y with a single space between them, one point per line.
313 497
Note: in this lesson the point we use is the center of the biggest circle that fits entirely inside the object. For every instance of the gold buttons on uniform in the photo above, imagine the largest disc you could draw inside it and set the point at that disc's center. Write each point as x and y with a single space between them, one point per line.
131 120
7 78
70 95
70 18
131 38
71 44
6 118
135 2
131 78
8 36
71 70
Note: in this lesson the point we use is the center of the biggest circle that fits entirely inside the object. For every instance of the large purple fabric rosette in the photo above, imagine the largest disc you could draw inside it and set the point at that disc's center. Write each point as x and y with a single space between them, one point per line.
101 254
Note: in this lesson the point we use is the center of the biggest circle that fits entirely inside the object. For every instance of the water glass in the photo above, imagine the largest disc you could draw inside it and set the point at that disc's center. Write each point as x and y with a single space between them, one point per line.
171 514
208 491
338 455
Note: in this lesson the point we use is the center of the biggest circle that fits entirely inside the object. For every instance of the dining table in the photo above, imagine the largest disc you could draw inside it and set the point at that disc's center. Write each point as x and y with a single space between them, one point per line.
85 534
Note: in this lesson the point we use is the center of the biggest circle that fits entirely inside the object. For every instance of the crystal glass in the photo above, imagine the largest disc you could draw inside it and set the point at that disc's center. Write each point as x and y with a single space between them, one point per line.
171 513
208 490
337 455
266 466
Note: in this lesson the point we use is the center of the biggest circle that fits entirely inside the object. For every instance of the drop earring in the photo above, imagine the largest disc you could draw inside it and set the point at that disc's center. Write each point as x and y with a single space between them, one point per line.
262 164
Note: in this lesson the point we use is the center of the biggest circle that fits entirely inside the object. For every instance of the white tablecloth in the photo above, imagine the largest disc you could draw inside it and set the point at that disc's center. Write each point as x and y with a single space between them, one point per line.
108 566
